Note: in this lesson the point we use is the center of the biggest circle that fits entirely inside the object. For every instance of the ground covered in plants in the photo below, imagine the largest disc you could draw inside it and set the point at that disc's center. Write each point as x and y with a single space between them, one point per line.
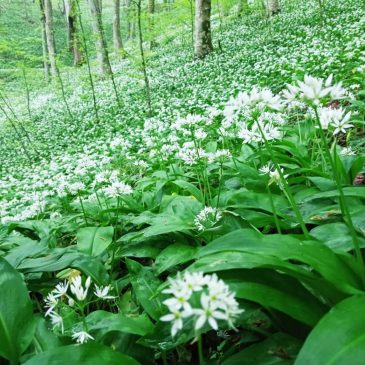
225 227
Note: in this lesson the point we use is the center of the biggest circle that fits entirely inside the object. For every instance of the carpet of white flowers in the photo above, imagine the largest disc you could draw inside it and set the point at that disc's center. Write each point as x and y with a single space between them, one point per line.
225 225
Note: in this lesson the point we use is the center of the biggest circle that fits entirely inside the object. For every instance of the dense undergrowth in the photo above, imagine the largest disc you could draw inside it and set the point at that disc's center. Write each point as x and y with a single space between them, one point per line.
235 173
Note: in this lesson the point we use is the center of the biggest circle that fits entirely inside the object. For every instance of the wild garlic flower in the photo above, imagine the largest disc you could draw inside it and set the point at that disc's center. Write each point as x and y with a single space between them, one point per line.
273 173
117 188
254 134
103 292
51 302
314 90
207 218
341 124
75 188
57 321
337 118
77 288
60 289
219 155
206 298
82 337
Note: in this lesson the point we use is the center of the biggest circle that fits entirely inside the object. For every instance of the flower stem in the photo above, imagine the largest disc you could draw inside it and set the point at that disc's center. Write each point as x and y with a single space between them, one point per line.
200 350
83 209
344 209
164 358
286 187
276 220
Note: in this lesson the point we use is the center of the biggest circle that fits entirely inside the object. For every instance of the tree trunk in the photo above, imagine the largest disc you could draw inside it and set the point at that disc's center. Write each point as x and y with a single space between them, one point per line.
46 64
100 44
50 36
117 39
272 7
151 12
131 19
203 35
72 34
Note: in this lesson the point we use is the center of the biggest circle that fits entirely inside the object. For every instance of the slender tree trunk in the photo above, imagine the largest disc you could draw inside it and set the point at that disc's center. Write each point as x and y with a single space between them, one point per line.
191 3
151 23
46 64
50 36
272 7
203 35
117 39
101 49
131 20
72 33
146 80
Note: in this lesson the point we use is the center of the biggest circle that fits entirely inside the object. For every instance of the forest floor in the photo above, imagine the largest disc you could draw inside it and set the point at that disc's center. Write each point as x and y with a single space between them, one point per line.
228 153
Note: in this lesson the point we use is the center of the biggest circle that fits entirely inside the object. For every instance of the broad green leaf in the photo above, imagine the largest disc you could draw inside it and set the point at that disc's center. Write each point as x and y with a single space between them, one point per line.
322 183
287 248
260 201
277 291
145 286
103 322
192 189
17 323
230 260
337 236
87 354
59 259
349 191
173 255
278 349
27 249
339 337
150 248
166 224
94 240
277 299
44 339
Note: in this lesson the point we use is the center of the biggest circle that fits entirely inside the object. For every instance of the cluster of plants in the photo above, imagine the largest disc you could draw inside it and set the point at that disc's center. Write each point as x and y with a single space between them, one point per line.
223 229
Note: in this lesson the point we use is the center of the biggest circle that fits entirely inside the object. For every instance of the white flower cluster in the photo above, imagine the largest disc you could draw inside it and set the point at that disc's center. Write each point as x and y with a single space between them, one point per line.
314 90
338 119
273 173
204 297
253 116
71 293
207 218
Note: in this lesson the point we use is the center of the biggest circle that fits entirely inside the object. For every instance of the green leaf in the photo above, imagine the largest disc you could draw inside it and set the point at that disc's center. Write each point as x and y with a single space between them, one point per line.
245 199
349 191
192 189
337 236
173 255
59 259
278 349
17 324
287 248
339 338
277 291
87 354
145 286
94 240
105 322
44 339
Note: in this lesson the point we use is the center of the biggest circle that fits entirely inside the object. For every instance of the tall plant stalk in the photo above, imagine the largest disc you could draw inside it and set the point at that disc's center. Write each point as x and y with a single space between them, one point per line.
286 187
343 206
